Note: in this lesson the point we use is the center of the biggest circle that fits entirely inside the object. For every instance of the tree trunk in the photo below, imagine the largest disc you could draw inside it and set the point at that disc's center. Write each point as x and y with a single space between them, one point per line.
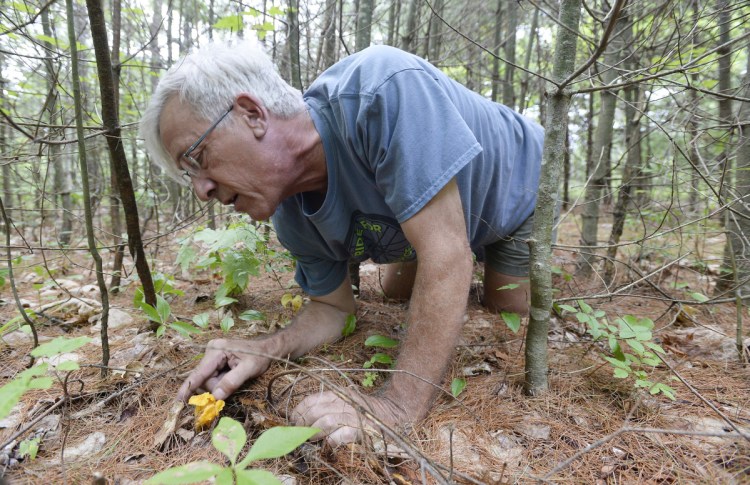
498 40
726 280
118 158
436 32
114 207
600 164
510 54
408 40
737 238
62 181
527 62
85 180
541 237
292 19
364 24
329 56
633 160
394 15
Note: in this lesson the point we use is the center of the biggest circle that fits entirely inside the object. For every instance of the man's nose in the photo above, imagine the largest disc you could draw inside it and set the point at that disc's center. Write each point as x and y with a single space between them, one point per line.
204 187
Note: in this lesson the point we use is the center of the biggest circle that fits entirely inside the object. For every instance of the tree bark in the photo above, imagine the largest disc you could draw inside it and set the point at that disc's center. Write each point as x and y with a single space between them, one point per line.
436 32
364 24
498 40
292 19
509 50
85 180
600 164
408 40
62 182
536 367
633 161
118 158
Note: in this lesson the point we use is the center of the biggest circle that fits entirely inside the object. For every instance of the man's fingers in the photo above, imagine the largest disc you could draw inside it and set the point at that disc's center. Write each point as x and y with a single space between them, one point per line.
315 406
233 379
208 367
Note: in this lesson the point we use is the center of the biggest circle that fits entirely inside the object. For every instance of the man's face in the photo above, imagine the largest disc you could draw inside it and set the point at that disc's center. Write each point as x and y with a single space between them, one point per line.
233 170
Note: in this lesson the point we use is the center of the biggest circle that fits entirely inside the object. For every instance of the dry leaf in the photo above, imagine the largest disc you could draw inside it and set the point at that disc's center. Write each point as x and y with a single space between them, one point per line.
170 424
207 408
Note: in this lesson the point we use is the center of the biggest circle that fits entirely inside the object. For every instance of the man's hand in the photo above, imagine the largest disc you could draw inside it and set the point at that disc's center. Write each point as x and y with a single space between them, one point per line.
340 421
226 365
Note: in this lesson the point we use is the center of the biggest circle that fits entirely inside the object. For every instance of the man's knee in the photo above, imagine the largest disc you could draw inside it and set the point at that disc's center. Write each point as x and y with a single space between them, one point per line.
506 293
398 280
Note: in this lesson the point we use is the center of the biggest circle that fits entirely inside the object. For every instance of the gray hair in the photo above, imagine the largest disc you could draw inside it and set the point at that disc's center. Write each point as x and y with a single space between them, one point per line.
208 79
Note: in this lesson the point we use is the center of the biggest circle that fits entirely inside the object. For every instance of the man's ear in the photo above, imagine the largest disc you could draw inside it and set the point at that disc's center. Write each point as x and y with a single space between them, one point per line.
253 112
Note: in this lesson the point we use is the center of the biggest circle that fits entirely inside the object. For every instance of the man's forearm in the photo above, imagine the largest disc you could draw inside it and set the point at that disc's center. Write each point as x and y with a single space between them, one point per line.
317 324
436 314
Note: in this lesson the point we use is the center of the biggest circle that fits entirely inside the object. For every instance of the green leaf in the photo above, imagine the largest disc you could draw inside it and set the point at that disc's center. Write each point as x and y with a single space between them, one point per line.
231 22
381 342
162 308
584 306
229 437
277 442
225 477
369 379
621 373
637 347
698 296
11 393
195 472
160 331
151 312
512 320
201 320
256 477
511 286
457 386
250 315
60 345
186 256
569 308
224 301
184 328
276 11
67 366
379 358
29 448
226 323
350 325
620 364
654 347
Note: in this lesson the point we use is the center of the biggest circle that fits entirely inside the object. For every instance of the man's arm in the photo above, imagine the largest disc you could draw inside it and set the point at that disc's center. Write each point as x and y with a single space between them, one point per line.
438 301
437 307
227 364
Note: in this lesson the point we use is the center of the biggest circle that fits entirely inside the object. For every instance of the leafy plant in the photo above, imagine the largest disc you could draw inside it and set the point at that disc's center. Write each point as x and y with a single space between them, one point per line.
630 342
36 378
349 326
229 438
457 386
512 320
236 251
162 313
383 342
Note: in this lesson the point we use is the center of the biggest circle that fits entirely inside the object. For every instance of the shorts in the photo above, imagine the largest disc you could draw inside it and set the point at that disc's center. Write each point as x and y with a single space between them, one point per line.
510 255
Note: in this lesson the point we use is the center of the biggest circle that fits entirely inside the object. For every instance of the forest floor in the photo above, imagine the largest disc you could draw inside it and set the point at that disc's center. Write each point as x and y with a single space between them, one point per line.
590 427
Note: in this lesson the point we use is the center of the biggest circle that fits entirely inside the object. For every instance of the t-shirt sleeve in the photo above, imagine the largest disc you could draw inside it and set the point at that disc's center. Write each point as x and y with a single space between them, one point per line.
413 137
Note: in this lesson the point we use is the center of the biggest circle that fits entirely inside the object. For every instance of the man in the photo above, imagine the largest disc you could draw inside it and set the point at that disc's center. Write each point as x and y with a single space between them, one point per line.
384 157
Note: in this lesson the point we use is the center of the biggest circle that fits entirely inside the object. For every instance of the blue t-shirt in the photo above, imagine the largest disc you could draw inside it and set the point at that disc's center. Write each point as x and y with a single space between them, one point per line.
395 130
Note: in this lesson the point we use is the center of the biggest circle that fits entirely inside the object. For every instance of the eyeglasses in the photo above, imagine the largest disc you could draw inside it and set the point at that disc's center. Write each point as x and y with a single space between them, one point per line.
190 166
